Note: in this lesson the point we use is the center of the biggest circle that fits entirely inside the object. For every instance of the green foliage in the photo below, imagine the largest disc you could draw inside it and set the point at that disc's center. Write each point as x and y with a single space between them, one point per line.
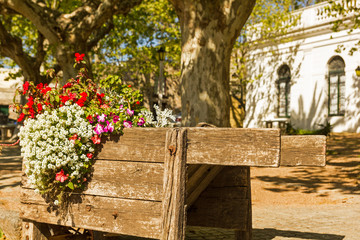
324 130
341 12
131 46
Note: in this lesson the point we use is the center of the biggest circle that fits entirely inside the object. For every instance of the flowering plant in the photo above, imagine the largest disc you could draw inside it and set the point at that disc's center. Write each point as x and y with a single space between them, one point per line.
64 124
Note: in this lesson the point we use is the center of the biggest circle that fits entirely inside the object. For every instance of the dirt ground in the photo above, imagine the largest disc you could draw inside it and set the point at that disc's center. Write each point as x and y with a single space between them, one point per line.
288 202
311 202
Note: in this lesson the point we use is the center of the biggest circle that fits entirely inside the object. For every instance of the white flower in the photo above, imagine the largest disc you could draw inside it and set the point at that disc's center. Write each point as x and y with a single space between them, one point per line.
46 147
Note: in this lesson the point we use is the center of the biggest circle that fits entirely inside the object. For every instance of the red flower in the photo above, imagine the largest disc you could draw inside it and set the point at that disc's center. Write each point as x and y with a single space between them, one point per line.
60 176
79 57
67 85
39 86
83 94
64 99
73 138
22 115
137 102
80 102
96 139
45 89
129 85
90 155
100 97
39 106
25 87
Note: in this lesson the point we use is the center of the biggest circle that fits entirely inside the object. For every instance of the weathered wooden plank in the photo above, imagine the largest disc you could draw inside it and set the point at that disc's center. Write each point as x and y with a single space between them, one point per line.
234 146
32 230
303 150
137 144
173 205
106 214
124 179
226 203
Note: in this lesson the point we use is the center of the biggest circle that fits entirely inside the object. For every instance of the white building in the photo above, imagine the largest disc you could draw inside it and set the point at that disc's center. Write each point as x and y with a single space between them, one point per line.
307 82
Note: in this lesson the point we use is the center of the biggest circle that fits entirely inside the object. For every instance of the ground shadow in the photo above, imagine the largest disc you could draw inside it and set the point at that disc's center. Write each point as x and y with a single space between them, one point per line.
271 233
341 173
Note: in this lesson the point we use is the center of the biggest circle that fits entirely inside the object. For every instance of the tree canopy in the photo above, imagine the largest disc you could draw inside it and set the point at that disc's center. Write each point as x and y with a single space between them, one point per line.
58 27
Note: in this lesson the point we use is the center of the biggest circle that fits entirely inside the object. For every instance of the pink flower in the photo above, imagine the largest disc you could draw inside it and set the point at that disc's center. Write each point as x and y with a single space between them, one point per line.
99 129
101 118
96 139
116 118
129 112
141 122
60 176
109 127
127 124
121 107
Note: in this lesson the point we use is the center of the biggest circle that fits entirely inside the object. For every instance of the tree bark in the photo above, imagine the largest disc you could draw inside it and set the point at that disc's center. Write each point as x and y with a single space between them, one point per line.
209 30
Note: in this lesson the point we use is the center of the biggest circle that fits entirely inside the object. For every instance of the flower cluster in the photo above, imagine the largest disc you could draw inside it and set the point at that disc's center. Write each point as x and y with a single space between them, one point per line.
63 125
57 148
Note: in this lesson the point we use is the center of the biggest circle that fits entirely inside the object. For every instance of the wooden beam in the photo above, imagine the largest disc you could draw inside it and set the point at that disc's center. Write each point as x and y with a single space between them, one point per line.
33 230
124 179
137 144
106 214
304 150
173 205
234 146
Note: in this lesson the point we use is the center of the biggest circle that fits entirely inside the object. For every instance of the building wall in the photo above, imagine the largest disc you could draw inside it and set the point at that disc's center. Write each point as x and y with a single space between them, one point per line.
307 56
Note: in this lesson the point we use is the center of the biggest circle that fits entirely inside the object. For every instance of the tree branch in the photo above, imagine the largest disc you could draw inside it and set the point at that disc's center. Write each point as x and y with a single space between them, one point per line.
106 9
42 17
12 47
100 34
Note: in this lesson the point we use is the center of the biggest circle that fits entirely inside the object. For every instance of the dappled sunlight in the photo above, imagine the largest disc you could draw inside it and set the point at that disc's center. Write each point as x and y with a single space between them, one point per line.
338 180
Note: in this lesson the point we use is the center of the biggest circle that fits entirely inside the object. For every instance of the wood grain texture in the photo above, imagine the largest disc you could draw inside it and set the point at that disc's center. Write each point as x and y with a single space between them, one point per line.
137 144
234 146
173 205
114 215
303 150
124 179
226 203
32 230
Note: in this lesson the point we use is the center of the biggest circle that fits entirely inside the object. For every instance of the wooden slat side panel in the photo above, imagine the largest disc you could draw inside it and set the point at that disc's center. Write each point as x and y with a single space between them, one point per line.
137 144
133 180
123 179
122 216
303 150
234 146
226 203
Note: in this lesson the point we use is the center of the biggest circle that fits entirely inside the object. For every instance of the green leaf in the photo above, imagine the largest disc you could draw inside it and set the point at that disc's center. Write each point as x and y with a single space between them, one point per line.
71 185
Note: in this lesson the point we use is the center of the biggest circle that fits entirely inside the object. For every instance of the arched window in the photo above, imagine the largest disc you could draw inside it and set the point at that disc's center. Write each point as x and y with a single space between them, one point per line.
336 92
283 83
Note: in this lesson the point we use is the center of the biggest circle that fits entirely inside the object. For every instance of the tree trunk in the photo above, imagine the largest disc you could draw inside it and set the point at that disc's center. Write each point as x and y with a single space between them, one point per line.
209 30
